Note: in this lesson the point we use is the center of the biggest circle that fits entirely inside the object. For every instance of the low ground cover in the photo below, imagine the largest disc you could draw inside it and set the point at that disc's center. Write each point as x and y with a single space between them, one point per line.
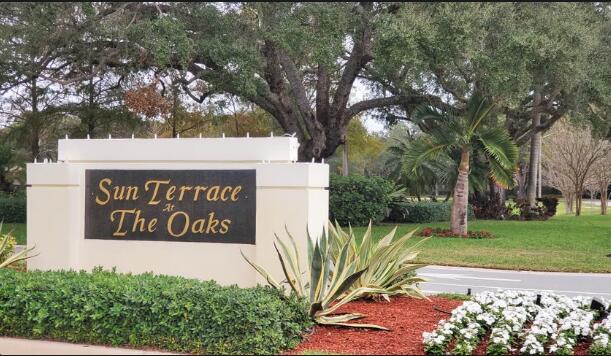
439 232
148 311
563 243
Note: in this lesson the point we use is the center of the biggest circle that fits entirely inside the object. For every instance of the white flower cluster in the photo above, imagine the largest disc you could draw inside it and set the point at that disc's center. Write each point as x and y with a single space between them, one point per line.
558 322
600 337
462 325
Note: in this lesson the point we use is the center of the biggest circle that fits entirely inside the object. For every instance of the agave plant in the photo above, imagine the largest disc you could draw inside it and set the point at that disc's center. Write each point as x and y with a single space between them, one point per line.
326 282
7 248
388 262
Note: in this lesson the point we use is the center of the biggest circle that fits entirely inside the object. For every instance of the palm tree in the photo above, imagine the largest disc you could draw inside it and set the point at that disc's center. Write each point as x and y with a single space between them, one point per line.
449 133
442 170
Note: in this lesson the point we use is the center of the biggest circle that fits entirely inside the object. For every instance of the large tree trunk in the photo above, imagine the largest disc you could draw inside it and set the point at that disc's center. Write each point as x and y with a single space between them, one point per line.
458 223
535 153
34 121
540 170
520 176
90 117
603 198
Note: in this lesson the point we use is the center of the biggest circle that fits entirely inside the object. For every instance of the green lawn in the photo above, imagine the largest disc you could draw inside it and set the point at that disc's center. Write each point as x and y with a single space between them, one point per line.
17 230
563 243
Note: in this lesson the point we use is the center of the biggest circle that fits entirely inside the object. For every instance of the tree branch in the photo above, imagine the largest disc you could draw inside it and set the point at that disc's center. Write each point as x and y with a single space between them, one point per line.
359 57
531 130
398 100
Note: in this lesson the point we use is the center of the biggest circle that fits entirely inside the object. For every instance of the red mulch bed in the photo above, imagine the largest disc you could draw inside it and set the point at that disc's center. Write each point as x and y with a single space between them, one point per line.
406 318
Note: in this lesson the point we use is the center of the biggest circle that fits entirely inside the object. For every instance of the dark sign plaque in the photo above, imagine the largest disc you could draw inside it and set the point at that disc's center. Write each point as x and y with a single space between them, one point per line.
171 205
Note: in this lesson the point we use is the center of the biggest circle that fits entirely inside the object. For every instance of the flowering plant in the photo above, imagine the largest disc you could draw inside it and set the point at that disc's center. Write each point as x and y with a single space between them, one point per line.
519 321
600 338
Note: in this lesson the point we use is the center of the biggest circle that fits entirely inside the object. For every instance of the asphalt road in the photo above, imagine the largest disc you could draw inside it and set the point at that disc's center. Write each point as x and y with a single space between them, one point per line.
459 279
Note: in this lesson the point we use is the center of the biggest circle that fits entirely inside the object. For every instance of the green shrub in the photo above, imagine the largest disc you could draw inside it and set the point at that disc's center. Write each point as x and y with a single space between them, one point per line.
165 312
424 212
550 203
12 208
356 200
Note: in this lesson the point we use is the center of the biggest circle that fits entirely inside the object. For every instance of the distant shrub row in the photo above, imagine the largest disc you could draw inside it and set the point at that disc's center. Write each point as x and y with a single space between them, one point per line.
424 212
13 208
164 312
356 199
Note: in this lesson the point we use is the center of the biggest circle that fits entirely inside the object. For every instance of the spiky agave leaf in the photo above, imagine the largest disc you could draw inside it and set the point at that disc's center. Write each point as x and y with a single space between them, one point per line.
388 265
268 277
331 278
342 320
16 257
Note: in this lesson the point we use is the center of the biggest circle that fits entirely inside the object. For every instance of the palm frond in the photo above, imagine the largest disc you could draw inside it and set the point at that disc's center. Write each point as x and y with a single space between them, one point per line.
421 151
502 176
499 147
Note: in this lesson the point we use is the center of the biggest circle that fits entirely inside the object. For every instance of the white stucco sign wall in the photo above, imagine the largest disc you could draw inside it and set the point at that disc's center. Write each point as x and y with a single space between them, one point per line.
173 206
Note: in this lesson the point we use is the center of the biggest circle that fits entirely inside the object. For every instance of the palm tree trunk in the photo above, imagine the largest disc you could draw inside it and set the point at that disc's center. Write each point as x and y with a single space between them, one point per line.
458 223
535 154
539 170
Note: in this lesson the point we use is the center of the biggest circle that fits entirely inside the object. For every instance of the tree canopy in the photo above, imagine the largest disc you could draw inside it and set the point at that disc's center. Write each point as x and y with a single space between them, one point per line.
312 67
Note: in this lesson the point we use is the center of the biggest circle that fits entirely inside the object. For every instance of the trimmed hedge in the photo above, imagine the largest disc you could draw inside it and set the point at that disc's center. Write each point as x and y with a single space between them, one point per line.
356 199
13 208
424 212
164 312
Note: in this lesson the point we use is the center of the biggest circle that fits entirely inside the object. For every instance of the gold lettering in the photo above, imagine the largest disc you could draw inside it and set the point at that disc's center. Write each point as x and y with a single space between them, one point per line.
234 194
152 225
169 195
199 226
212 223
225 226
213 193
157 184
138 220
118 231
225 190
119 192
171 222
104 190
132 193
197 190
182 191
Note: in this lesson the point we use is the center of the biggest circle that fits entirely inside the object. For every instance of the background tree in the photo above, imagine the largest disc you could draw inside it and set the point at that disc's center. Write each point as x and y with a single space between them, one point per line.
556 175
297 61
600 179
538 62
360 153
572 154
